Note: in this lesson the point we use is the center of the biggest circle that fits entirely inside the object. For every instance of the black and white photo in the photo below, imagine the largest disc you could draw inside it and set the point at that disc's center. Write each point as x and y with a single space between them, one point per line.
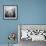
10 12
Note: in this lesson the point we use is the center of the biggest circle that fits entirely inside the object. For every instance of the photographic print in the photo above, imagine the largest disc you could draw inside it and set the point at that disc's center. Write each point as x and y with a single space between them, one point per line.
10 12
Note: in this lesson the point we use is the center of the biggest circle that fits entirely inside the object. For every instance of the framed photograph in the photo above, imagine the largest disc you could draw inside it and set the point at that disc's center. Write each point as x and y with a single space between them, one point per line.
10 11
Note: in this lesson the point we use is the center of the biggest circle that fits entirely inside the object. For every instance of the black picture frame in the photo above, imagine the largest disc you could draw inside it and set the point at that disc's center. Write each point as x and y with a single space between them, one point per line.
10 12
